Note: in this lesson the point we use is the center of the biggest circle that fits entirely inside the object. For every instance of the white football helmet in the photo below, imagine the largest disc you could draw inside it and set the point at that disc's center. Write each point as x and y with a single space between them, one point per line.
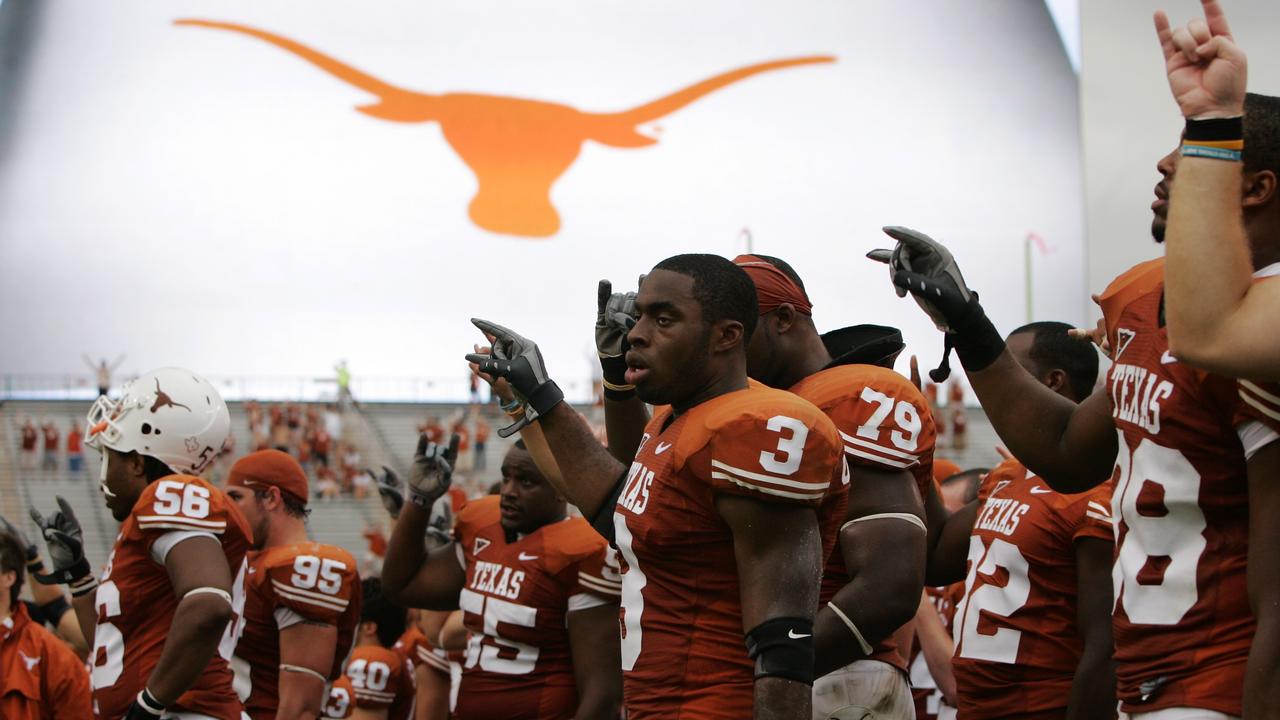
170 414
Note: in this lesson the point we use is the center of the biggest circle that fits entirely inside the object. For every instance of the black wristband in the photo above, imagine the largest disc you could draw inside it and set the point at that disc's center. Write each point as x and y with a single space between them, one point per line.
1215 129
783 648
55 609
150 703
976 340
545 396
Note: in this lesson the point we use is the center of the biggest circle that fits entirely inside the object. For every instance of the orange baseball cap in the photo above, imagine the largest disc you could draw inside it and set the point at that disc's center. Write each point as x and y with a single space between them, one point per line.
270 468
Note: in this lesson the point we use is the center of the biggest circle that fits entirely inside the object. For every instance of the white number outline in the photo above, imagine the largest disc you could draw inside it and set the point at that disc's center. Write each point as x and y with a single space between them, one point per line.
483 648
1002 645
324 575
369 674
906 433
173 498
633 583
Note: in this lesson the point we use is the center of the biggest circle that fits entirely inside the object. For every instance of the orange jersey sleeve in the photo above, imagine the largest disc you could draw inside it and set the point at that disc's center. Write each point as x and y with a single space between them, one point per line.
767 444
313 580
1130 285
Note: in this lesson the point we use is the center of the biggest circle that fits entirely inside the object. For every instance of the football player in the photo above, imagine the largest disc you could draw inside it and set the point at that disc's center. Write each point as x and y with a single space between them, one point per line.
535 587
431 670
164 617
888 439
1194 493
1032 630
302 598
382 683
1224 210
341 700
717 510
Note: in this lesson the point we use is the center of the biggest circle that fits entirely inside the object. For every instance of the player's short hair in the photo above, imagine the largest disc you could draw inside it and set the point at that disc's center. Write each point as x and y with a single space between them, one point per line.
377 608
972 480
723 289
13 558
1261 133
293 506
1052 348
786 269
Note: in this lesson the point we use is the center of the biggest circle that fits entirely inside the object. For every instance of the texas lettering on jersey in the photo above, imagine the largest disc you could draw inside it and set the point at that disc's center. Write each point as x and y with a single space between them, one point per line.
1182 621
1015 631
136 602
518 596
287 585
681 603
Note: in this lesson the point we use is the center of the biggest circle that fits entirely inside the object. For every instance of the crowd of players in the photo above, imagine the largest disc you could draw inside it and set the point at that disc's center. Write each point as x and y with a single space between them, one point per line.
758 529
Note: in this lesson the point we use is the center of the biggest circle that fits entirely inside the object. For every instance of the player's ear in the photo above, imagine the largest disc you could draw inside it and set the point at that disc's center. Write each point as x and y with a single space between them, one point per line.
728 335
1259 188
136 464
1056 379
786 317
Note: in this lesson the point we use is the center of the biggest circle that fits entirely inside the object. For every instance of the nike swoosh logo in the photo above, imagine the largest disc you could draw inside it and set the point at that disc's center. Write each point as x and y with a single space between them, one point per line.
796 636
1037 490
661 448
525 557
1167 358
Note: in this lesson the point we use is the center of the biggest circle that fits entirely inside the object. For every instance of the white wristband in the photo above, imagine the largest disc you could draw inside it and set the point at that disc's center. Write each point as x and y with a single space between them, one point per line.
905 517
210 591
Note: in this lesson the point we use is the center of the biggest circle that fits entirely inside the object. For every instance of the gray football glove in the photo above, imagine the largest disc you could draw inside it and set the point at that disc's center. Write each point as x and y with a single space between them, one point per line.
64 538
390 490
518 360
925 268
616 314
432 471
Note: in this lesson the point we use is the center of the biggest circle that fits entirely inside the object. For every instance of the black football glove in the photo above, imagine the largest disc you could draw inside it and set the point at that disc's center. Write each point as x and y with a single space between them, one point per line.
518 360
65 541
144 707
925 268
615 316
32 551
432 471
390 490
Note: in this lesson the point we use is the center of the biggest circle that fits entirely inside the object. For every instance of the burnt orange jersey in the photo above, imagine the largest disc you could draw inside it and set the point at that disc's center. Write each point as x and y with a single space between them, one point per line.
417 649
516 600
1182 620
136 602
341 700
381 678
286 585
1017 643
884 424
683 652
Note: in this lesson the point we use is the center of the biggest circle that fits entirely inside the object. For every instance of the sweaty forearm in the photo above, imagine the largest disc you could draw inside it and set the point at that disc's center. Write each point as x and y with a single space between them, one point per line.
1041 428
1262 673
406 550
1207 265
1093 690
624 422
948 558
589 471
779 699
193 637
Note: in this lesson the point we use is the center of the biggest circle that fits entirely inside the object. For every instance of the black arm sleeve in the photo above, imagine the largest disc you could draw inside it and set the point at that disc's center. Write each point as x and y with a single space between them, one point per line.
602 521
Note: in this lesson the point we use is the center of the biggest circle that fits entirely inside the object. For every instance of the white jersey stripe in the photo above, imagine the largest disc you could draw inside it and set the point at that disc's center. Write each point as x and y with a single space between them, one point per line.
1257 404
772 479
880 448
765 489
879 459
217 530
181 518
307 593
599 588
1256 390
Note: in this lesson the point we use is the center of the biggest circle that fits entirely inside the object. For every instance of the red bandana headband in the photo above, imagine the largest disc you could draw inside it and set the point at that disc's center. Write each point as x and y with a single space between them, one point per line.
773 287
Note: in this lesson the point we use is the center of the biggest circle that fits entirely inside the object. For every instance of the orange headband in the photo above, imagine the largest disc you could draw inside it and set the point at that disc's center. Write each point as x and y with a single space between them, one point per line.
773 287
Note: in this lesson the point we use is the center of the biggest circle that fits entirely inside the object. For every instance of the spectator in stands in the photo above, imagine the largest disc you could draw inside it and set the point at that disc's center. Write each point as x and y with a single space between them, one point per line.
30 441
466 462
482 440
332 421
40 677
103 372
321 443
326 484
75 451
49 461
432 429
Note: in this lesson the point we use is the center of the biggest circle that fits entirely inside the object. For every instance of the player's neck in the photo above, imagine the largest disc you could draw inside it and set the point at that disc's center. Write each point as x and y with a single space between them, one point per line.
286 530
734 380
808 359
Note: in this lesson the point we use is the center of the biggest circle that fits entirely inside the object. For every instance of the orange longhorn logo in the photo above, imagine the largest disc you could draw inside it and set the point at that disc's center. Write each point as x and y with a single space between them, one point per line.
517 148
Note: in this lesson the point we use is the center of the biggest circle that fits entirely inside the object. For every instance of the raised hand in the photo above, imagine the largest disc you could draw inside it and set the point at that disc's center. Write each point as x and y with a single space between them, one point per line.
432 471
924 267
519 361
64 538
1207 70
390 490
615 316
